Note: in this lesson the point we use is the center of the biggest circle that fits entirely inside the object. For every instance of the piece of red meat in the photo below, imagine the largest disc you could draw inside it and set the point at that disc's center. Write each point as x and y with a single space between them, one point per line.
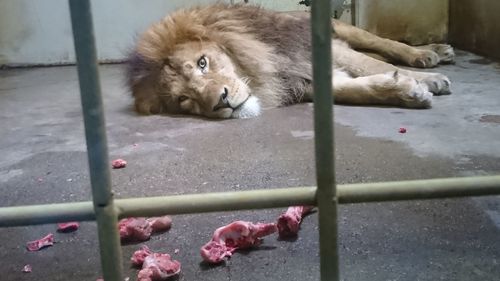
138 257
140 229
134 229
289 222
118 163
41 243
68 226
155 266
402 130
215 252
236 235
160 224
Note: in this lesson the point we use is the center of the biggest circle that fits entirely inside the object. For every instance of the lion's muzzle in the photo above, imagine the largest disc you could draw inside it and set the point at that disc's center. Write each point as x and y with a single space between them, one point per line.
223 101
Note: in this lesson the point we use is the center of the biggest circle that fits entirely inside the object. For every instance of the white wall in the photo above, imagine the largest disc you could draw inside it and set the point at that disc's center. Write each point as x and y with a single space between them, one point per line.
39 31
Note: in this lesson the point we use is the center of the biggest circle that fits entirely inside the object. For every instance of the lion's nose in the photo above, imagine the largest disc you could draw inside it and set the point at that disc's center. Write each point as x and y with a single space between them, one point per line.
224 95
223 101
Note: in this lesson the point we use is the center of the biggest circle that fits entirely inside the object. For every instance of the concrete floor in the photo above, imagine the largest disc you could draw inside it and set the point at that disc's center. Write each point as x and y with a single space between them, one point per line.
44 160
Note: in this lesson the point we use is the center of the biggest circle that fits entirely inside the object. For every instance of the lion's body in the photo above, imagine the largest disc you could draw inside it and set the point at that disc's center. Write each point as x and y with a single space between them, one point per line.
229 61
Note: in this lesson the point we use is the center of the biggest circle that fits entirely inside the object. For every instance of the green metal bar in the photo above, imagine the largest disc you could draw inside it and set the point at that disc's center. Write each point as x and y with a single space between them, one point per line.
255 199
217 202
419 189
161 205
46 213
95 133
324 142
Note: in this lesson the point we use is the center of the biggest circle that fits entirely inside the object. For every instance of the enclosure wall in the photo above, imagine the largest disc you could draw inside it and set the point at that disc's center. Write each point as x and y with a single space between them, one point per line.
475 26
415 22
39 32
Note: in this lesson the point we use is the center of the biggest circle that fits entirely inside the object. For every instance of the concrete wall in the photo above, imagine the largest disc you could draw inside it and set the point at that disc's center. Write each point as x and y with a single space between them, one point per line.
475 26
413 21
39 31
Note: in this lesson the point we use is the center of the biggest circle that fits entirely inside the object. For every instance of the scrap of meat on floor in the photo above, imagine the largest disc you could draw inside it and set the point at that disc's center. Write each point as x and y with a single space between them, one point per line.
160 224
41 243
140 229
236 235
289 222
68 226
154 266
118 163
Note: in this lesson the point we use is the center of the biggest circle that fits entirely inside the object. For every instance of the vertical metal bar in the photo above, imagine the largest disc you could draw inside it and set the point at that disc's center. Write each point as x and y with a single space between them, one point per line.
95 133
323 128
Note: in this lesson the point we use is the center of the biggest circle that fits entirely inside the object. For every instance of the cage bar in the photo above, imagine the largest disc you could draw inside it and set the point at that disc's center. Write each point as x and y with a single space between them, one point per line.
95 133
255 199
321 30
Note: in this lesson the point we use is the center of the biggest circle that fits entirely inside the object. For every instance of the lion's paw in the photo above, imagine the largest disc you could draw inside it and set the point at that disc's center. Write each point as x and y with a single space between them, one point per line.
433 54
418 97
425 59
438 84
444 51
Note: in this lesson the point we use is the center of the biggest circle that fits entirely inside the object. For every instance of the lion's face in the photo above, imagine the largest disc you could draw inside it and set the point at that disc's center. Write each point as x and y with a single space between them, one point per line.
200 79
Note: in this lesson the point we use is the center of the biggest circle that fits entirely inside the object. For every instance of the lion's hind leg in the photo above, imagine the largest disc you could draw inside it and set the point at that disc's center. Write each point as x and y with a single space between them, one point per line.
393 51
380 89
361 65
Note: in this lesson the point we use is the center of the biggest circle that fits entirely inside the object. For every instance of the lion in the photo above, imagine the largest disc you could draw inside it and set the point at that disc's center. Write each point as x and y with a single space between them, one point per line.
232 61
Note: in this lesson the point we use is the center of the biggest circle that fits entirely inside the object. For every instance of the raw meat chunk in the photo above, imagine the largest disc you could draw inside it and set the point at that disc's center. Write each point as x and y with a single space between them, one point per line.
134 229
155 266
68 226
138 257
160 224
236 235
41 243
215 252
118 163
140 229
289 222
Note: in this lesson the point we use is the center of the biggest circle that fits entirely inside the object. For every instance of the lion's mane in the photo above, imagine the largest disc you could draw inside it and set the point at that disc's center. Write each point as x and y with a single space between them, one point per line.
271 49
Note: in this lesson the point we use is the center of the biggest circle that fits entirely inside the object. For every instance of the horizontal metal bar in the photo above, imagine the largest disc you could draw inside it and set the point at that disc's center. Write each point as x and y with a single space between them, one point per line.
217 202
48 213
255 199
419 189
154 206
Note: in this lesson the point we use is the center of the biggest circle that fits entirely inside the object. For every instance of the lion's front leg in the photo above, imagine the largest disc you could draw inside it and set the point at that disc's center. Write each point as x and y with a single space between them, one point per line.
381 89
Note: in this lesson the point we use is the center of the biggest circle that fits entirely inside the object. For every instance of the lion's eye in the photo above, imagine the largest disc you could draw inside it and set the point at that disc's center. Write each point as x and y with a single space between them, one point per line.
182 98
202 62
